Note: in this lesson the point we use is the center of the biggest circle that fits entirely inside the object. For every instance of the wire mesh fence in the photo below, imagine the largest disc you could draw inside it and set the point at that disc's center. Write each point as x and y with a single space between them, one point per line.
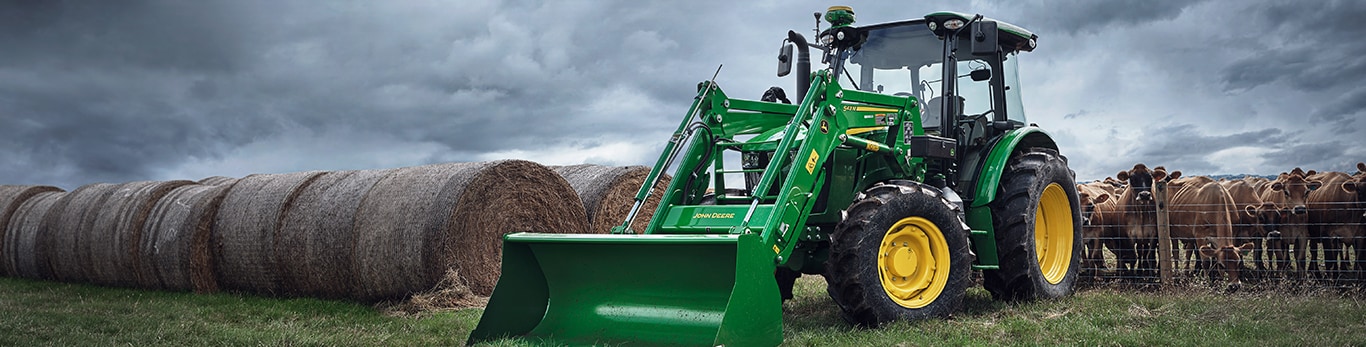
1323 246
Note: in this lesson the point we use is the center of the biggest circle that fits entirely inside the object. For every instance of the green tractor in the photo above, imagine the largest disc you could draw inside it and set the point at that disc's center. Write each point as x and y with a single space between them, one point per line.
906 165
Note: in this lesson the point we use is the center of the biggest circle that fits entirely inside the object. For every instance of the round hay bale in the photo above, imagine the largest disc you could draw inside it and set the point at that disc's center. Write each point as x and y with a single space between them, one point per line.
245 230
176 238
608 192
117 233
11 197
318 234
64 248
217 181
124 215
21 236
420 222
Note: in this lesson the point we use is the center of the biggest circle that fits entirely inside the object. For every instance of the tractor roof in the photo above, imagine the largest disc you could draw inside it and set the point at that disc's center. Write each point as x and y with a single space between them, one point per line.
1015 36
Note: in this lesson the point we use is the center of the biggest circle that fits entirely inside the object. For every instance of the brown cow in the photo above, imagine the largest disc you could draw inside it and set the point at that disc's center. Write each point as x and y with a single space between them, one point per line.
1139 220
1100 226
1290 192
1334 219
1202 209
1245 226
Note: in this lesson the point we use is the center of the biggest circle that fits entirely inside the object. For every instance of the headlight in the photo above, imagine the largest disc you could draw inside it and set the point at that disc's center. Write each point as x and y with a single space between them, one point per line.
953 24
933 26
827 39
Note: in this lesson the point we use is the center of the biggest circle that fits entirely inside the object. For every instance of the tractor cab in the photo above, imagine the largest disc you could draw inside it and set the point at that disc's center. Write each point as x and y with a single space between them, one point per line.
911 58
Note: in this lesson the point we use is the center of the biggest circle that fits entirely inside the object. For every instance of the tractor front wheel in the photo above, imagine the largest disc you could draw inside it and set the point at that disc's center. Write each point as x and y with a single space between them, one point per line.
901 253
1038 229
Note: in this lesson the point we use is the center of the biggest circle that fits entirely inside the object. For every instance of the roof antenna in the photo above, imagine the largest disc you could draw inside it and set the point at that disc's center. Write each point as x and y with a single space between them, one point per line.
818 24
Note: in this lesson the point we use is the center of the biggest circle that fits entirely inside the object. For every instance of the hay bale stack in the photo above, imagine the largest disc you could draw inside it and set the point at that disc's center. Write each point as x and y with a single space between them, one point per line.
217 181
318 234
21 235
175 248
11 197
419 223
609 191
245 230
64 248
116 237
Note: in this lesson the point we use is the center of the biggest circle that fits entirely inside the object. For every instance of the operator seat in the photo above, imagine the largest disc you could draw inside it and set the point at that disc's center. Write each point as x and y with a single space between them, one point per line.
931 118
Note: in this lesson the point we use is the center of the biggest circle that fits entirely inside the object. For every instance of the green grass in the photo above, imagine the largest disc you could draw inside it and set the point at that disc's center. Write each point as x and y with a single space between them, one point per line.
44 313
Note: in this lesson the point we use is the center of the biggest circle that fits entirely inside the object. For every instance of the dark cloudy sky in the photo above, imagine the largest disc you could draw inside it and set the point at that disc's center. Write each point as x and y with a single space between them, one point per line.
114 91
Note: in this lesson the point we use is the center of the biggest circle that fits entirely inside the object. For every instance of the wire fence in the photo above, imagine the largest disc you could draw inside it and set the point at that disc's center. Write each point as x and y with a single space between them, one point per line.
1323 247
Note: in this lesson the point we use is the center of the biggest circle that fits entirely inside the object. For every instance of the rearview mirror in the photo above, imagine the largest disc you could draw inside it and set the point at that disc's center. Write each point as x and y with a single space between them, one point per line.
984 39
785 60
980 75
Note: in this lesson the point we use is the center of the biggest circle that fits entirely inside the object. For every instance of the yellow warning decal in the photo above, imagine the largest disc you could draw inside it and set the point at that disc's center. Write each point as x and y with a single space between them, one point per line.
873 147
811 162
856 131
869 109
777 250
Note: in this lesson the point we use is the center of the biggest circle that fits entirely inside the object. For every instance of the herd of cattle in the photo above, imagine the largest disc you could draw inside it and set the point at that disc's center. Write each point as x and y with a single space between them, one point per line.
1281 227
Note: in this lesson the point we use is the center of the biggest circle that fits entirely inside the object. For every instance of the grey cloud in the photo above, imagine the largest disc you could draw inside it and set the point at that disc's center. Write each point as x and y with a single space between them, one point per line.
1185 147
1313 155
1089 17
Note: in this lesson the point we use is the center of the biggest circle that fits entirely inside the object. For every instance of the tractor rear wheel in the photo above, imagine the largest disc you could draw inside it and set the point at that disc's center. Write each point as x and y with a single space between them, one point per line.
1038 229
900 253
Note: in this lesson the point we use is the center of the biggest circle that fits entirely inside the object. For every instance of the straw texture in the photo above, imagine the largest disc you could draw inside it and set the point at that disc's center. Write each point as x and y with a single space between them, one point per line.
318 235
217 181
175 248
245 230
11 197
64 247
419 223
608 192
21 237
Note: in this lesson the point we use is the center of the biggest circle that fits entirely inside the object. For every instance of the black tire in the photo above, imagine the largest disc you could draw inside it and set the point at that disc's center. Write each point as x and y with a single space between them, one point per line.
1021 276
854 271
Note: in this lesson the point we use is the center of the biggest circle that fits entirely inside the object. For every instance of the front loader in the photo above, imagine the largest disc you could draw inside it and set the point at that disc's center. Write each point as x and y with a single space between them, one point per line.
906 166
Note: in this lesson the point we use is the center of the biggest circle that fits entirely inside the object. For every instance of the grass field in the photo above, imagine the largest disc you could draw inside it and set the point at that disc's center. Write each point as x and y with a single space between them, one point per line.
45 313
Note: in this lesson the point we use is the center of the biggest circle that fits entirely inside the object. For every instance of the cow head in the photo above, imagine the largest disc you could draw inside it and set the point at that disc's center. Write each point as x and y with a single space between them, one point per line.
1141 181
1357 187
1089 198
1270 218
1117 184
1296 188
1229 258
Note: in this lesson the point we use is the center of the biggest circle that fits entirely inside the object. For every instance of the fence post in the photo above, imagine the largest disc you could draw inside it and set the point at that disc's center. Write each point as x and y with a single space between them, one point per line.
1164 235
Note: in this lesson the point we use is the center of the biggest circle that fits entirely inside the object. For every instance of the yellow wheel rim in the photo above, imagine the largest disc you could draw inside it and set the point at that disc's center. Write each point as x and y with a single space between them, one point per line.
1053 233
913 262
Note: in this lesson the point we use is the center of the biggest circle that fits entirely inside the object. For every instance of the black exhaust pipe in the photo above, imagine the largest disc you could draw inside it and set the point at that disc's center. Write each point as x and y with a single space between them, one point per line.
803 64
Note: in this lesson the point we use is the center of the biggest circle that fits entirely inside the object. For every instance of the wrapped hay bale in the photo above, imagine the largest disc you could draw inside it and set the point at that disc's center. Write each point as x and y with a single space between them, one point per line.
11 197
64 249
218 181
116 237
175 248
419 223
318 235
21 235
609 191
244 231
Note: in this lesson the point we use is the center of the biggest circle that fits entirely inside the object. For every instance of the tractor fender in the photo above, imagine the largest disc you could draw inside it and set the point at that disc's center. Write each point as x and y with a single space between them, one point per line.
989 177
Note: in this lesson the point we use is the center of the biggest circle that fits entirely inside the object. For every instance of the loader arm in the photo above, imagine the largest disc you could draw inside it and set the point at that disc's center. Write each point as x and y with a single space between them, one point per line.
828 117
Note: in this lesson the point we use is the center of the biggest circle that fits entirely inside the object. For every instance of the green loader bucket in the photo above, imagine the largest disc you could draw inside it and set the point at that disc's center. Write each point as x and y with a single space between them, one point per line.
635 289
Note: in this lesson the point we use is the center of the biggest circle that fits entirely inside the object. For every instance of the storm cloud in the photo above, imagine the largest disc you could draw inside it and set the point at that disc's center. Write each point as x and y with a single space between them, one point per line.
131 90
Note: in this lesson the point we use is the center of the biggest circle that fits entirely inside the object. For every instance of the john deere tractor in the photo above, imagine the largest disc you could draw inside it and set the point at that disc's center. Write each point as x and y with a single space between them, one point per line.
906 166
